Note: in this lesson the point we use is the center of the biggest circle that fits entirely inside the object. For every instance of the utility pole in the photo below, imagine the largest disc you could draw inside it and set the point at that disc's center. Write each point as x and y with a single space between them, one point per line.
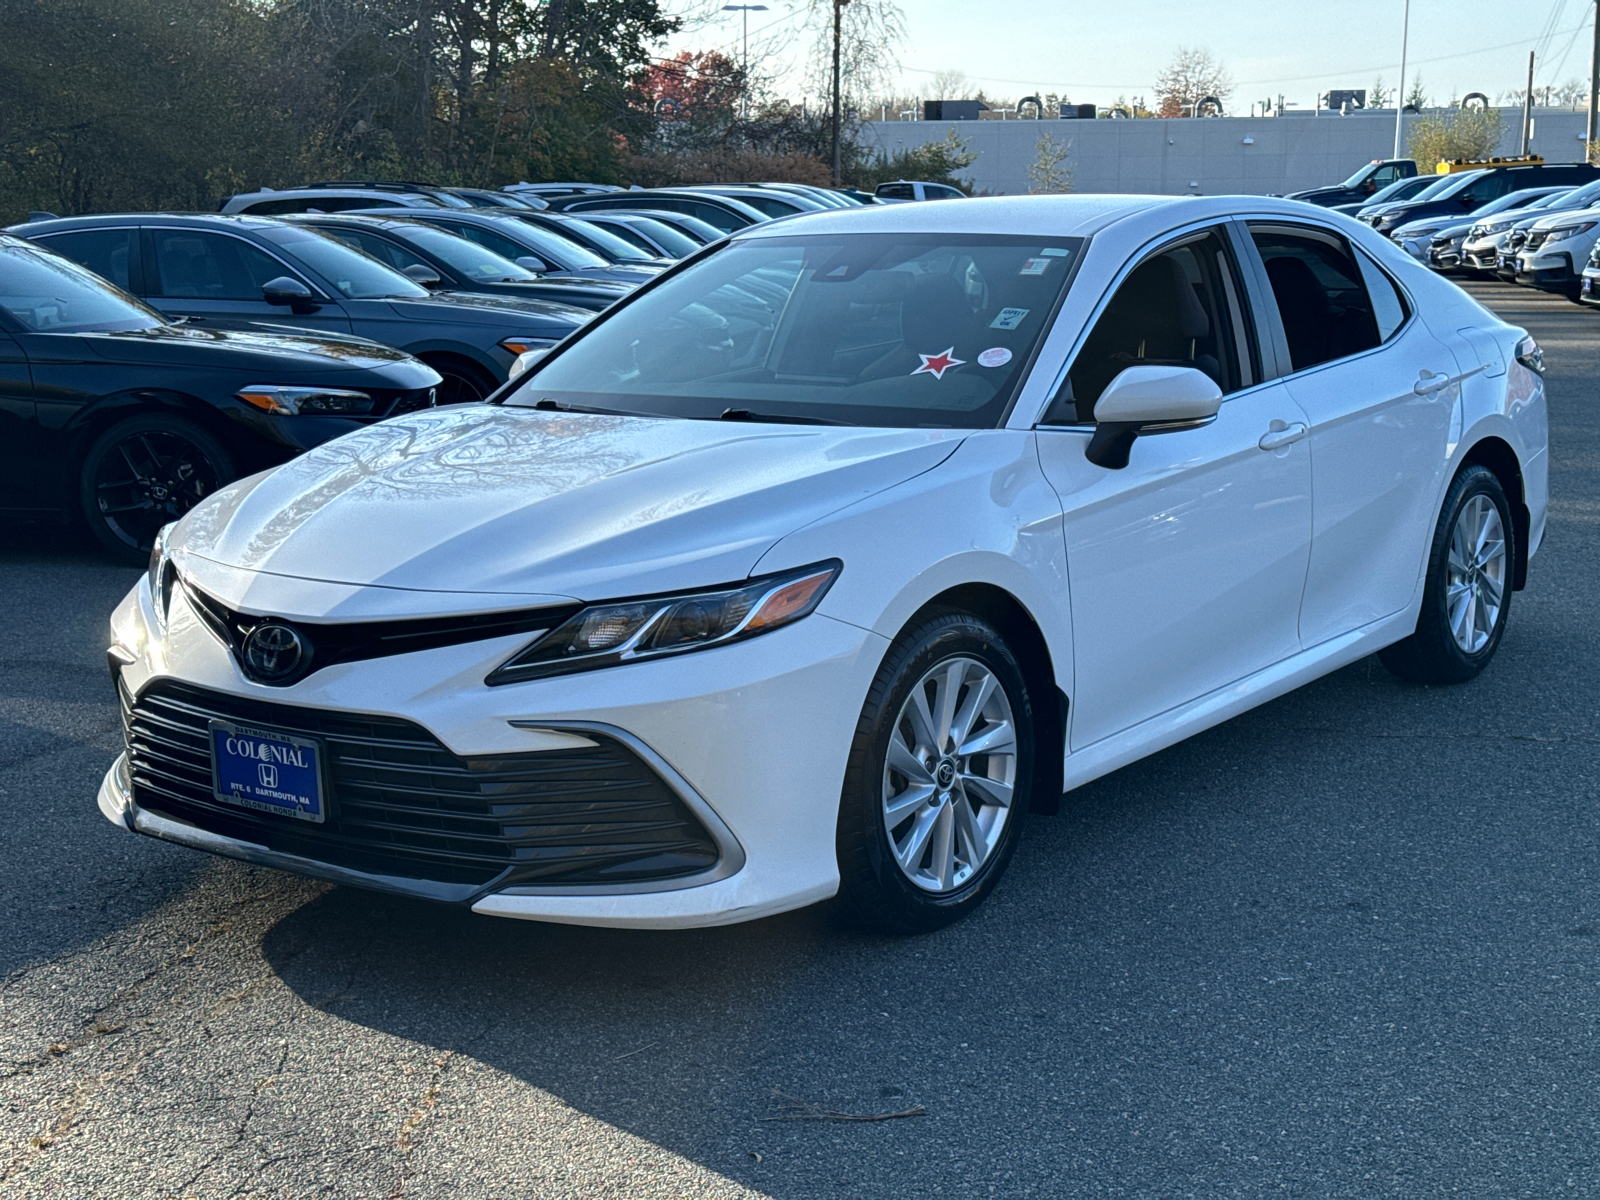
746 9
1400 94
1527 109
1590 129
838 27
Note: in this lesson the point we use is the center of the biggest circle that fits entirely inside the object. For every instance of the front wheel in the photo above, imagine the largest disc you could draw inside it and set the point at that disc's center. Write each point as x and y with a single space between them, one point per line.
144 472
939 777
1467 598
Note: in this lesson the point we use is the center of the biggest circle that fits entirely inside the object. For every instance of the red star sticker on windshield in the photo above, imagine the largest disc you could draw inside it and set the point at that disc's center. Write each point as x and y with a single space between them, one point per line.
937 364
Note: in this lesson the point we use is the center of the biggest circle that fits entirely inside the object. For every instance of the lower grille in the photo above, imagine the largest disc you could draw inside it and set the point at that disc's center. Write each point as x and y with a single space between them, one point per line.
399 803
391 402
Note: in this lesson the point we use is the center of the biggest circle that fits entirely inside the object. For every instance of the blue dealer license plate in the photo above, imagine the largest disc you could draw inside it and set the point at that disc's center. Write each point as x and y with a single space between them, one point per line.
267 771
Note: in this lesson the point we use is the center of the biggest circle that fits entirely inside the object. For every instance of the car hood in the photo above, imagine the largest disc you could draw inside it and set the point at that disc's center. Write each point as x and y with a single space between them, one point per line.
1311 195
263 349
1571 216
487 499
496 310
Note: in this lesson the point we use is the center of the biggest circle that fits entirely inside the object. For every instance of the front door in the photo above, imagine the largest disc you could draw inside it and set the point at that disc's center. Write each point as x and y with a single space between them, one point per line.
215 280
1186 567
19 429
1379 390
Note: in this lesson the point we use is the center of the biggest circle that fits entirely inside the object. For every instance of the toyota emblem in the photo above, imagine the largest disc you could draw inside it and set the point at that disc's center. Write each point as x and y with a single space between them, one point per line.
273 652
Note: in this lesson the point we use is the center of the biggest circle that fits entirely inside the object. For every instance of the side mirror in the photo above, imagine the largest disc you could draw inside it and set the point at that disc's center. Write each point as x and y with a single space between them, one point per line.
529 263
290 294
422 275
1148 400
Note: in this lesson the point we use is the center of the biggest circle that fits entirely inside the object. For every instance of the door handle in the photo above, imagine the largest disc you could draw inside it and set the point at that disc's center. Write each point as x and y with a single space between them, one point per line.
1429 383
1282 435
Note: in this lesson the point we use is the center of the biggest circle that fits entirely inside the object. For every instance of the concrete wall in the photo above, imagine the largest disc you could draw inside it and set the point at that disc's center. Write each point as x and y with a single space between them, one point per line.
1210 155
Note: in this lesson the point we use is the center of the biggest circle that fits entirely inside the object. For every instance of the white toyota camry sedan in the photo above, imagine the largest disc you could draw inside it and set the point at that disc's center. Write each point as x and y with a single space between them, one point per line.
818 564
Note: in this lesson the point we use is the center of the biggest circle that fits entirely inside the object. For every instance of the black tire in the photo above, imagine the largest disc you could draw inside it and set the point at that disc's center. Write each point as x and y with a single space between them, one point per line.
463 382
1432 654
144 472
874 891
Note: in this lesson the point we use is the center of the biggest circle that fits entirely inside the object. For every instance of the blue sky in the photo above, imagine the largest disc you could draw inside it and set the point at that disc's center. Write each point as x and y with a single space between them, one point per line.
1095 51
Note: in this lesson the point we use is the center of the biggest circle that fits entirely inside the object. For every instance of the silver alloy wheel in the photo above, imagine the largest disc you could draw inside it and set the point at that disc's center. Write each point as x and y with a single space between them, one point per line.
1475 574
949 774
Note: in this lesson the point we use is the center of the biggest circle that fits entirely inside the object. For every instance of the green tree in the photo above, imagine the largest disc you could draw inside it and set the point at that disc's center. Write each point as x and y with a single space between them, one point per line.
1466 134
1049 173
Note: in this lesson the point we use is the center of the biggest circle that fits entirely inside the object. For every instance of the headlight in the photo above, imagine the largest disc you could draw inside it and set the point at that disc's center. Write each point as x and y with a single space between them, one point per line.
160 572
291 401
607 635
521 345
1561 233
1530 355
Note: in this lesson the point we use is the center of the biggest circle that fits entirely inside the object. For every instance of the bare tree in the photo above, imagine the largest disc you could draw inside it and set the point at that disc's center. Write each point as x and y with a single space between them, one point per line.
1189 77
949 84
871 31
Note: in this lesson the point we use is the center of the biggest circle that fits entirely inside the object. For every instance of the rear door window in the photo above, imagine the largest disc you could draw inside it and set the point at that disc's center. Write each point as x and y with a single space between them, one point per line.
1321 296
106 252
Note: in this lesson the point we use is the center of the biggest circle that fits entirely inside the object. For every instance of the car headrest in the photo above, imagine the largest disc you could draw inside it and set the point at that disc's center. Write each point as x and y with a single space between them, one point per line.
1158 295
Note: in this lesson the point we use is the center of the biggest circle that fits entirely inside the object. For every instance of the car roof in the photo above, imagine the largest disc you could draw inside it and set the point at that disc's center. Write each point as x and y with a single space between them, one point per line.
181 219
1043 216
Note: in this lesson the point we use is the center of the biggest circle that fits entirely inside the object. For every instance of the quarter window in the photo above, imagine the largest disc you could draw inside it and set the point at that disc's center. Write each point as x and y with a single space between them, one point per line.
1388 305
1321 297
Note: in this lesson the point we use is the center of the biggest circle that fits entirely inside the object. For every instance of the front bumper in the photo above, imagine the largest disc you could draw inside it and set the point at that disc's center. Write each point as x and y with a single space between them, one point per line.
755 735
1589 286
1550 272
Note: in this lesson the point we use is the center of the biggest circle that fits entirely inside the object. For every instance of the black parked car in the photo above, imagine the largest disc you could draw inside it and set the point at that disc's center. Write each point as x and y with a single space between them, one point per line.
232 272
447 262
725 212
1476 188
652 234
109 410
603 242
503 231
1365 184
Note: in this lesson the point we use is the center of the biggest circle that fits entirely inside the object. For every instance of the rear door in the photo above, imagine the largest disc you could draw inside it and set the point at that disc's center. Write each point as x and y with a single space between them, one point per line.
1379 390
215 279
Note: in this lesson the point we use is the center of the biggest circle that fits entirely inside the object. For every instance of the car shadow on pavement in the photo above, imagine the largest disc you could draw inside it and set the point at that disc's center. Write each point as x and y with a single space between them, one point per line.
1094 1000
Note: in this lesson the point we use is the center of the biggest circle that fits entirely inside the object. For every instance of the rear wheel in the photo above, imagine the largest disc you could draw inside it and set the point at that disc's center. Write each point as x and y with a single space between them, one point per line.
144 472
1467 598
939 777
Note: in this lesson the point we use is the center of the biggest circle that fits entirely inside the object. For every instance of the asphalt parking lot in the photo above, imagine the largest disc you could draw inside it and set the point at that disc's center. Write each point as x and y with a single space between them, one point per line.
1344 945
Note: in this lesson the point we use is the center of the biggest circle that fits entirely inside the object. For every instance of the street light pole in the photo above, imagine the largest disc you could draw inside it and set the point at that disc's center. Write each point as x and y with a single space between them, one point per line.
1400 95
1591 131
746 9
838 24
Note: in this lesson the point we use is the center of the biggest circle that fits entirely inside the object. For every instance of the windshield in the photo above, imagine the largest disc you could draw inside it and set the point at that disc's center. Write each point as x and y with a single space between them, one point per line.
673 241
469 258
51 294
564 250
1359 176
1502 203
353 274
612 245
1445 185
899 330
1400 189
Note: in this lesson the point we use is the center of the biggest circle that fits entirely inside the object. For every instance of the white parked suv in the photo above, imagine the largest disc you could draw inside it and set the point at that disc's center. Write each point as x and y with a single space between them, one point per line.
1556 251
815 567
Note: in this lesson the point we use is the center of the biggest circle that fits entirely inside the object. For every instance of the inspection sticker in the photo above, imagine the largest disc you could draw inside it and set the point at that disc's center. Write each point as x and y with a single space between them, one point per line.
994 356
937 364
1035 266
1008 318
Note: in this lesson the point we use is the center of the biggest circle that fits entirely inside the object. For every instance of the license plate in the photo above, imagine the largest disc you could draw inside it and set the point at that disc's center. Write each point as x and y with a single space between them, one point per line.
267 771
1505 260
1588 287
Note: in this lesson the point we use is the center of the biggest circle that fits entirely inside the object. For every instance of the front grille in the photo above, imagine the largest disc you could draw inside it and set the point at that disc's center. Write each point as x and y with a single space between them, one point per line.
327 643
399 803
1537 239
1515 238
391 402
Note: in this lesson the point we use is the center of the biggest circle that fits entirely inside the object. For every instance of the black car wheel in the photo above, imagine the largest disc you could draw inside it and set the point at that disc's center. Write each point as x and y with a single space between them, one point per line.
462 383
144 472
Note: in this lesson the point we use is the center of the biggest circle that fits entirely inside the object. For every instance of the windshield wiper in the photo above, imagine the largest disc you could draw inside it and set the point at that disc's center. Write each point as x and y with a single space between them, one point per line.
549 405
745 414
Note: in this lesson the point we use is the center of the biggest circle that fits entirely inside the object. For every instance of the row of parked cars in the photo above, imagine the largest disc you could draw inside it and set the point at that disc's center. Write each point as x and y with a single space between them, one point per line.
148 359
1536 224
